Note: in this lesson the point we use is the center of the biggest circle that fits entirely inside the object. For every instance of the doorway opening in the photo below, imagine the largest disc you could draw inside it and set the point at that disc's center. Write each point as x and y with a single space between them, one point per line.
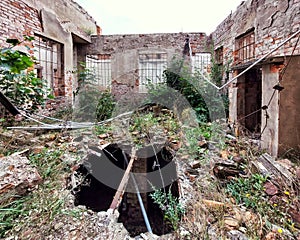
250 101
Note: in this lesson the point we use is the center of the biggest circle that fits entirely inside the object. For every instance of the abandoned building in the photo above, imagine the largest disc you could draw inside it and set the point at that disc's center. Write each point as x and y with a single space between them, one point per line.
256 47
257 104
263 101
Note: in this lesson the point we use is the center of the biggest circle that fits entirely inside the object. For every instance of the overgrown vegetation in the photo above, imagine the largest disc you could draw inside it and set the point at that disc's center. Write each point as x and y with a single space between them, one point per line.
145 126
207 102
18 81
170 205
250 192
105 105
92 104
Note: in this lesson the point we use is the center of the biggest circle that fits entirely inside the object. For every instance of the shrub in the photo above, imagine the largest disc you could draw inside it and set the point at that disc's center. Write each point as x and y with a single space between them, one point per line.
105 106
21 86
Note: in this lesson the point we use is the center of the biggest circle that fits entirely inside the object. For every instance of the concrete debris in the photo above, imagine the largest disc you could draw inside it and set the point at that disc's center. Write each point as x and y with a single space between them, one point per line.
236 235
17 177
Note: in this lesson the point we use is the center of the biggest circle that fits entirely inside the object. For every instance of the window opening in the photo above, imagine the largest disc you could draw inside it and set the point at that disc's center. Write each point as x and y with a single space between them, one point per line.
219 55
245 48
201 62
151 67
50 64
100 66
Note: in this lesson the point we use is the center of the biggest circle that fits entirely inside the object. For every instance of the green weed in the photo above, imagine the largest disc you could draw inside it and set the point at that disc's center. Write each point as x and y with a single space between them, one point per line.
250 192
170 205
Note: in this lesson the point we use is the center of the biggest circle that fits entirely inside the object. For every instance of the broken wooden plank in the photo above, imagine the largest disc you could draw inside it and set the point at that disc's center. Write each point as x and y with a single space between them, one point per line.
258 167
267 166
121 189
275 168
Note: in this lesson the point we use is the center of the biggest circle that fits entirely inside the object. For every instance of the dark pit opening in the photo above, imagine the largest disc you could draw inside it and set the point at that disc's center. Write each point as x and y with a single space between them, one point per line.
98 196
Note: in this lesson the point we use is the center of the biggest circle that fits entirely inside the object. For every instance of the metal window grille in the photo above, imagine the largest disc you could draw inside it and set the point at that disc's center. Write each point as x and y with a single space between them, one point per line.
50 64
151 67
201 62
245 47
219 55
100 67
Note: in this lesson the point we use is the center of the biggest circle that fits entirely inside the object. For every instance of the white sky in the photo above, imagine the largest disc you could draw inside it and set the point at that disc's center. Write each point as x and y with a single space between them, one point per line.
158 16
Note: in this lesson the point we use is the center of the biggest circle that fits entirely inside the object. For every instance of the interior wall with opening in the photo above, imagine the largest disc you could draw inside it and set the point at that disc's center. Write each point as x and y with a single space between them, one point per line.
249 100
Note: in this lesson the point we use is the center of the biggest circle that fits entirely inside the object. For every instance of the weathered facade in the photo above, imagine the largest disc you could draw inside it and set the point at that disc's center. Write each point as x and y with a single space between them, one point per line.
59 27
134 57
251 32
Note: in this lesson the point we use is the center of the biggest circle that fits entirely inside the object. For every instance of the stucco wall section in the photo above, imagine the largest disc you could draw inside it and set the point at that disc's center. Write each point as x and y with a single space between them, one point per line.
289 116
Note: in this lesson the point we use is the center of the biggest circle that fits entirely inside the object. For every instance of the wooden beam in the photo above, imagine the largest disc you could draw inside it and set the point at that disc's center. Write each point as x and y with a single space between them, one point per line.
121 189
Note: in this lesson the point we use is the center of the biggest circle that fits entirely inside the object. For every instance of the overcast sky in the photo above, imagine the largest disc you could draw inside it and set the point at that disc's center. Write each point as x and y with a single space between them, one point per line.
158 16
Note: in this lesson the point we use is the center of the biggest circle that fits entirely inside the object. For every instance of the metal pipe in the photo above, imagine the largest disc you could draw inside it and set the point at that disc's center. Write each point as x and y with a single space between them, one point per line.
145 216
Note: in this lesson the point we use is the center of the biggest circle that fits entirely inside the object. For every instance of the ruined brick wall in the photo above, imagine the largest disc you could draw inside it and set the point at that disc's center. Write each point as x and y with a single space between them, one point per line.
273 22
62 21
17 19
110 44
124 51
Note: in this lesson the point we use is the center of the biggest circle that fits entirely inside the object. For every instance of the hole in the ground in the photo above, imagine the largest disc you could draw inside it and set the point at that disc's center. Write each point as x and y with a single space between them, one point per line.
98 196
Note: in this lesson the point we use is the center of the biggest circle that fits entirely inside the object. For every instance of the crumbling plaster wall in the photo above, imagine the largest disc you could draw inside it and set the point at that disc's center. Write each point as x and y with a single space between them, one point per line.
273 22
125 50
71 16
289 105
